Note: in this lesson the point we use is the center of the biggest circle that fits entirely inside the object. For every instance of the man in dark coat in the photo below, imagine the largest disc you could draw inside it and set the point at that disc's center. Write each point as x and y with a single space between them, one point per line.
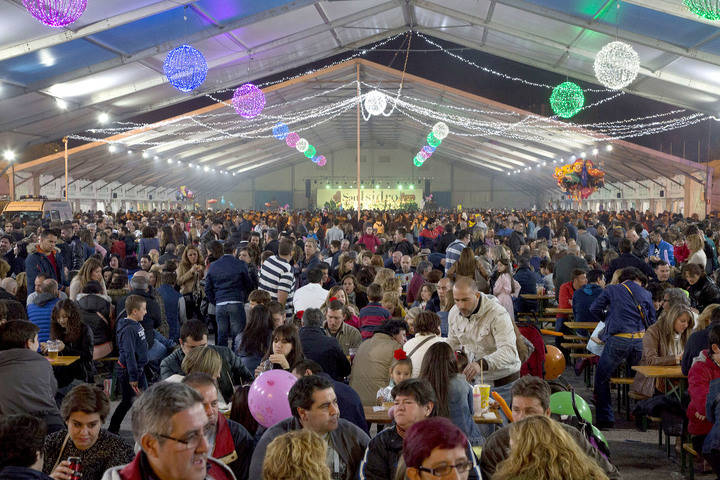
322 348
44 257
627 259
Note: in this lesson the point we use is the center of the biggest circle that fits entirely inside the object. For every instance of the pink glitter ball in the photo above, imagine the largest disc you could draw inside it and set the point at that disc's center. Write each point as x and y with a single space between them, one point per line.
248 100
292 139
321 161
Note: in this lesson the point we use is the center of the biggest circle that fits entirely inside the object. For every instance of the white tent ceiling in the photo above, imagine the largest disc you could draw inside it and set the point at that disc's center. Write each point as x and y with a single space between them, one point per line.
111 61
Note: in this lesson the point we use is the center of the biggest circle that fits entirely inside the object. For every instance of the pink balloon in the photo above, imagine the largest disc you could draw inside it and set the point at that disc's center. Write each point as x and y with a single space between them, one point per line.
321 161
268 397
292 139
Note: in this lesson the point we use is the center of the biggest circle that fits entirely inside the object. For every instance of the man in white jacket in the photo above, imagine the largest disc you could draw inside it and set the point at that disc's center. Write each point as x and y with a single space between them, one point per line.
481 326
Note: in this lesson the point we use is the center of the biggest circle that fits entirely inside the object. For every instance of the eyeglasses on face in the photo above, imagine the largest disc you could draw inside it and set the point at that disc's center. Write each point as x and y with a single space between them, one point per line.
444 470
192 440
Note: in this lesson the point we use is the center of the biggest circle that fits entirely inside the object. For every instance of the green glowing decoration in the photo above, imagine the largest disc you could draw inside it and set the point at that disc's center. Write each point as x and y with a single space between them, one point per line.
567 99
432 140
707 9
310 152
418 161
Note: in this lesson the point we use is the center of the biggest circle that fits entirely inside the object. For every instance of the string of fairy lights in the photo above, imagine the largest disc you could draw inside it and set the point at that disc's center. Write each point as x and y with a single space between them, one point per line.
248 115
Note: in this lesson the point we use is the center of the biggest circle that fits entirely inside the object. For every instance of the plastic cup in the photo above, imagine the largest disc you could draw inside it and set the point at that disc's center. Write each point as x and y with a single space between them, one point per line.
484 390
52 348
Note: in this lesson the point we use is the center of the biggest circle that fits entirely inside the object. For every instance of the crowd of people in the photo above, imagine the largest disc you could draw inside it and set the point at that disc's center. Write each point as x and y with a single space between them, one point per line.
176 313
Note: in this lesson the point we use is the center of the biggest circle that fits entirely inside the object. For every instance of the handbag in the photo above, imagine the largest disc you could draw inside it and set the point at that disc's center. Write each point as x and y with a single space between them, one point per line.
639 307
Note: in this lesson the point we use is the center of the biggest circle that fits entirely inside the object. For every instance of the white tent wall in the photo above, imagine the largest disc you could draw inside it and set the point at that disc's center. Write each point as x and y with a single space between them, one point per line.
470 186
646 195
85 195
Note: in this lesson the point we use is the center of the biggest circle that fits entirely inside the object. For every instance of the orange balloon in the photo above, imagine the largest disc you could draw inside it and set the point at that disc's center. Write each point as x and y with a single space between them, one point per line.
554 362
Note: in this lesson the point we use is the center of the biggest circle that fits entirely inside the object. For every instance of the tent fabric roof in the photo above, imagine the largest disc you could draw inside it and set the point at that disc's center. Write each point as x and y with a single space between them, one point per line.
111 61
217 138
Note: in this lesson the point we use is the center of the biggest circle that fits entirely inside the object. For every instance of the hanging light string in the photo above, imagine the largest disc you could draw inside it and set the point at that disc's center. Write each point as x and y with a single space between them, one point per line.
530 128
495 72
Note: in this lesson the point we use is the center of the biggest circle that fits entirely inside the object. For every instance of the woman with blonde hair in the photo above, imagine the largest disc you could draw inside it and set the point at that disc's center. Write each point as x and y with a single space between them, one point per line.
664 344
297 455
392 284
21 293
190 271
705 317
382 275
533 456
391 301
696 244
91 270
204 360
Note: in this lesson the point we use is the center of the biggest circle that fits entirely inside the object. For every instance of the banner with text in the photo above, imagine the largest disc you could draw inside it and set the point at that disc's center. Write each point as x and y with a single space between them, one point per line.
370 199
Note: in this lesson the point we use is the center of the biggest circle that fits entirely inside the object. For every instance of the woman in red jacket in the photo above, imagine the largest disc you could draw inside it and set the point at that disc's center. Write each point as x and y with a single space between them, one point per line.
704 370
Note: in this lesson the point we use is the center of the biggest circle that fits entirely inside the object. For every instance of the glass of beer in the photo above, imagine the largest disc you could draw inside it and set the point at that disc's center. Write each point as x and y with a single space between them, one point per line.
52 348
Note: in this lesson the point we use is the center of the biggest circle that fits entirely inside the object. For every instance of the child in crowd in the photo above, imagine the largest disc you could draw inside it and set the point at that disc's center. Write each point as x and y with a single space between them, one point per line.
277 310
400 369
373 314
132 358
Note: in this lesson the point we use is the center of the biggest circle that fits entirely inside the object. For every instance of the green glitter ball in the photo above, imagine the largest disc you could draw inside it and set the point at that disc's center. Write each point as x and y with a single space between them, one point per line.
310 152
567 99
707 9
418 161
432 140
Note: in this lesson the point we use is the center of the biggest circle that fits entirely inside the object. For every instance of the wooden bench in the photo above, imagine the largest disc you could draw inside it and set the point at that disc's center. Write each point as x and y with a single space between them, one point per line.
573 346
576 338
689 454
623 386
588 373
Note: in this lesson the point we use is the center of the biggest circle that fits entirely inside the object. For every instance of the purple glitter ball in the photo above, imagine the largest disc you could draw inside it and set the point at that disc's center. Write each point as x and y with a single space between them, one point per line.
248 100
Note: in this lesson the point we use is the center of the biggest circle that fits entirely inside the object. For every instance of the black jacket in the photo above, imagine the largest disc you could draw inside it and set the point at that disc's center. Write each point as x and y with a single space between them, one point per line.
404 247
628 260
152 319
83 369
233 372
443 241
22 473
326 351
90 306
516 240
704 293
697 342
244 446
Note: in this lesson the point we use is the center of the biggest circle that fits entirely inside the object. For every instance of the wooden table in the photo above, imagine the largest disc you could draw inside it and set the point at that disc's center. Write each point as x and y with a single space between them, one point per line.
541 299
382 417
667 373
535 296
556 311
581 325
63 361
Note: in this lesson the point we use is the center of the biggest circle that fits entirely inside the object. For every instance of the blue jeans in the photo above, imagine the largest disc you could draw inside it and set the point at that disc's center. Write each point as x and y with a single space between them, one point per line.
616 350
229 317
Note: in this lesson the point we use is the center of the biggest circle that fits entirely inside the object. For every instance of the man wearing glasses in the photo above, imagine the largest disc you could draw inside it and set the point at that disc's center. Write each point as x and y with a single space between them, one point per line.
171 426
231 443
414 400
314 407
